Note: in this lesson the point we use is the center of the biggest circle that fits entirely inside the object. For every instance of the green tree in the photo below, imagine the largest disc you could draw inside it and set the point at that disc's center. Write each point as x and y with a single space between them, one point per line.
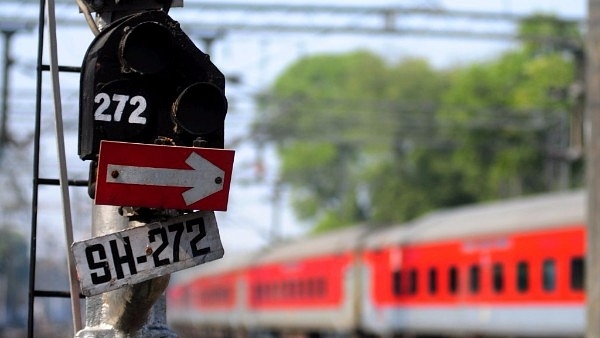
360 139
504 121
335 118
543 34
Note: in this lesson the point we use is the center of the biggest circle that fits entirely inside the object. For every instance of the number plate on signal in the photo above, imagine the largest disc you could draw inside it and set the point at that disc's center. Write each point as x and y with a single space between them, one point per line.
134 255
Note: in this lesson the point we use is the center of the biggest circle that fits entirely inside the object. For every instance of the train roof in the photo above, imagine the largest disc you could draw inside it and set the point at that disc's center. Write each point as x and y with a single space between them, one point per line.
343 240
229 263
333 242
518 214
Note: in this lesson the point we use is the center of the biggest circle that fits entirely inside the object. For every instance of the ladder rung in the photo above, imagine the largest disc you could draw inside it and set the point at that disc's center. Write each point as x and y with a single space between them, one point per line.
56 294
55 181
69 69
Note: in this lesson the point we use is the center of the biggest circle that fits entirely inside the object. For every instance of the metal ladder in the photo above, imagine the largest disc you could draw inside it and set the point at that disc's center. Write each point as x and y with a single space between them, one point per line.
47 20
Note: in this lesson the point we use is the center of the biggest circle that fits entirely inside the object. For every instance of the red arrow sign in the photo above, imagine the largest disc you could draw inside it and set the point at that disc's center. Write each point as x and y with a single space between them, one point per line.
159 176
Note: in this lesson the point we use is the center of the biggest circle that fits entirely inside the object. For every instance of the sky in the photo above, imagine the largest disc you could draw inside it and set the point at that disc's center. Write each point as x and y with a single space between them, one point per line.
256 58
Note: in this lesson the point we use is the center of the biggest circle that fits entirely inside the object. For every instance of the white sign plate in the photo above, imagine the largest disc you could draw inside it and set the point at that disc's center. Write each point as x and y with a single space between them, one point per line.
134 255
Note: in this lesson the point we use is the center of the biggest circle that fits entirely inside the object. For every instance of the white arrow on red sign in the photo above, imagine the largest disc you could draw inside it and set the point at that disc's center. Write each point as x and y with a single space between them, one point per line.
131 174
203 179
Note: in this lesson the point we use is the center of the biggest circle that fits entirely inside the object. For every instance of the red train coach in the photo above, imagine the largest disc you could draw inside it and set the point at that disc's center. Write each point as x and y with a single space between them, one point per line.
505 268
304 286
209 298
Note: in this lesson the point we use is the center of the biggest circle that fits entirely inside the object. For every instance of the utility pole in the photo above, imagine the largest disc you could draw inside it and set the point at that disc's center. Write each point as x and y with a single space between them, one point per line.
7 36
592 136
7 33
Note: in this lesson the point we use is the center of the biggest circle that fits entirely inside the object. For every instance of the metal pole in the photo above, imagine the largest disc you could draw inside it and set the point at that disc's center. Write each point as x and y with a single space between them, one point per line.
592 136
62 160
133 311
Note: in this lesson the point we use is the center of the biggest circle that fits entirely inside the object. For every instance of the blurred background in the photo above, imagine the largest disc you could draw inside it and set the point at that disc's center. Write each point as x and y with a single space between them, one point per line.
351 112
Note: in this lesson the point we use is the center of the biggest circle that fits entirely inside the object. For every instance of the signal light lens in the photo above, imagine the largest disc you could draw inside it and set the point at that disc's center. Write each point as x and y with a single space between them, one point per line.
200 109
146 48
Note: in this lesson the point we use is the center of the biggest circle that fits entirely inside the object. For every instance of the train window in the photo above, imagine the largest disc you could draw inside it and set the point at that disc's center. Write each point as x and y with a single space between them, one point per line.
453 279
306 288
320 290
260 292
293 289
432 280
258 295
296 289
215 294
302 288
286 286
397 283
474 278
577 273
311 287
522 276
549 274
273 291
498 277
412 281
286 289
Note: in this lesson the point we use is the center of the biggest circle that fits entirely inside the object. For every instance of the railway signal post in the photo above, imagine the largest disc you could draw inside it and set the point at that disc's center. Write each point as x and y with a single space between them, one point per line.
152 110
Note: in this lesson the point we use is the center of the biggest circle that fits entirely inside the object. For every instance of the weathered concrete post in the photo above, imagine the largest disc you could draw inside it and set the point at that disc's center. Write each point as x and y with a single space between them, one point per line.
133 311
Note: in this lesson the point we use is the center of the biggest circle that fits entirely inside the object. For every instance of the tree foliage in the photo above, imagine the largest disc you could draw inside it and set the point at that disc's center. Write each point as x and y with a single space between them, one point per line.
364 140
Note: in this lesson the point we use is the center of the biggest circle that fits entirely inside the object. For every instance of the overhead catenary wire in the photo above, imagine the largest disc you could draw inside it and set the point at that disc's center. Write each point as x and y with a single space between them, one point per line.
375 20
